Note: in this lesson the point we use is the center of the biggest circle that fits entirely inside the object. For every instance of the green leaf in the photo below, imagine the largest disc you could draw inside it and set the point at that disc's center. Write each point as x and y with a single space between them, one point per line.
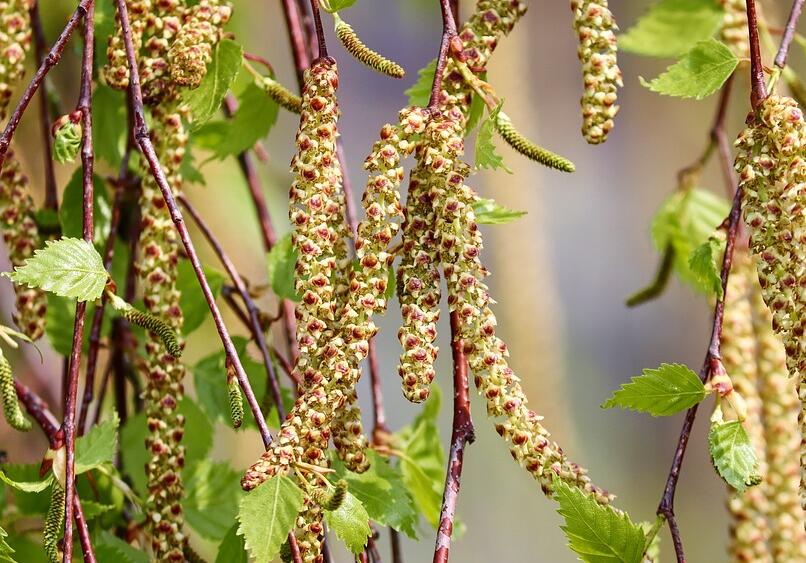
256 115
27 549
420 92
31 493
66 142
698 74
211 497
108 118
488 212
282 260
733 454
705 265
351 523
26 486
6 551
111 548
671 27
71 215
477 107
486 154
596 533
382 492
664 391
97 446
232 548
267 514
59 323
94 509
336 5
68 267
194 306
205 101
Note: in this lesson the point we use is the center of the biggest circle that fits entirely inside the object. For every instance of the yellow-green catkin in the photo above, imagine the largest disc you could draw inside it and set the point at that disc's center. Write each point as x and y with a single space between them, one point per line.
11 406
596 32
749 509
192 49
734 27
21 235
15 42
284 97
116 71
527 148
780 406
353 44
235 398
52 527
149 322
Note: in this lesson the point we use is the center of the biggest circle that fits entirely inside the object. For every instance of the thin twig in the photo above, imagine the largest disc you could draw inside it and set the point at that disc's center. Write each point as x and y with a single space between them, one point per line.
789 33
143 141
463 433
758 91
448 35
87 163
320 32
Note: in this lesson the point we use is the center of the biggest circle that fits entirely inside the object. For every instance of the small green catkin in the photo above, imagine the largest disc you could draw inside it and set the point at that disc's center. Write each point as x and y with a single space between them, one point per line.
527 148
353 44
11 407
53 524
331 501
235 398
284 97
148 322
285 553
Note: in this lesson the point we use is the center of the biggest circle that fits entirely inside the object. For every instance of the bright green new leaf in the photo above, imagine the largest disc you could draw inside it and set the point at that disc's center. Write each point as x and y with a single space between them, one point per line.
205 101
68 267
71 215
596 533
488 212
351 523
97 446
111 548
671 27
705 265
733 454
336 5
477 107
26 486
211 498
30 492
282 260
420 92
94 509
6 551
698 74
486 154
59 323
664 391
108 117
194 306
267 514
232 548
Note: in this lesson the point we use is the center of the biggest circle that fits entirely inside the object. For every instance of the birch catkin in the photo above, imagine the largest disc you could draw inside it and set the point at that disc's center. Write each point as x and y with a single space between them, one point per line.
192 49
15 41
11 406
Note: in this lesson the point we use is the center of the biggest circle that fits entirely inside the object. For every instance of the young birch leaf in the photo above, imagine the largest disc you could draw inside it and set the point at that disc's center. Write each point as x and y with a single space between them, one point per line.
671 27
704 264
71 215
486 154
194 306
282 260
97 446
351 523
211 498
733 455
336 5
108 547
68 267
6 551
108 118
205 101
420 92
698 74
232 548
267 514
26 486
596 533
488 212
664 391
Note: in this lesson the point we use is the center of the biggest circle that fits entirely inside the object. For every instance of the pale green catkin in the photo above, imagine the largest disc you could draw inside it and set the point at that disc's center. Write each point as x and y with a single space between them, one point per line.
284 97
331 500
53 523
527 148
149 322
11 407
353 44
235 401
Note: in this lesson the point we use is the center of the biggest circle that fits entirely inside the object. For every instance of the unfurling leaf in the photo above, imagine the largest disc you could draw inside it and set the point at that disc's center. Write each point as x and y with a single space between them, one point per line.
66 139
486 154
733 455
488 212
705 265
698 74
68 267
267 514
664 391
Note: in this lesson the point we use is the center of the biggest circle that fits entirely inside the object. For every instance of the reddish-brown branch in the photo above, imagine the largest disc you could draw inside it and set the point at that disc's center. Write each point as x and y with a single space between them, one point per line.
448 35
461 435
789 33
52 58
320 32
40 47
296 36
251 308
758 91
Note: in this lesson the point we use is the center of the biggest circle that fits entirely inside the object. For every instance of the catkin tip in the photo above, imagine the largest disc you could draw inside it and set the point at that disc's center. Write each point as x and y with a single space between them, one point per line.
353 44
527 148
284 97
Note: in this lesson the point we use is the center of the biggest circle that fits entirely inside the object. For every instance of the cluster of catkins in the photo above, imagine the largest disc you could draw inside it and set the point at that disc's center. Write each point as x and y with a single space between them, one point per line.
174 43
772 171
767 519
17 210
596 32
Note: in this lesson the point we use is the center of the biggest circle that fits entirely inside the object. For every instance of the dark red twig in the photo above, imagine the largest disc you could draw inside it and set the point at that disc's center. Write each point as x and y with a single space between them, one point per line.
143 141
758 91
52 58
463 433
320 32
87 162
789 33
448 35
296 36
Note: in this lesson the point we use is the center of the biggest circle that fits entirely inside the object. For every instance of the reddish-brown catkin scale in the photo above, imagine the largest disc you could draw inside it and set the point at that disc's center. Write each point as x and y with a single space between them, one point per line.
596 32
353 45
772 170
748 509
193 45
21 235
15 41
734 27
781 406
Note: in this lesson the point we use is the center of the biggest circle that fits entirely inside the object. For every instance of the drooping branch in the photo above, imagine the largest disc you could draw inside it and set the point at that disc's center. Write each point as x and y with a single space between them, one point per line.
789 33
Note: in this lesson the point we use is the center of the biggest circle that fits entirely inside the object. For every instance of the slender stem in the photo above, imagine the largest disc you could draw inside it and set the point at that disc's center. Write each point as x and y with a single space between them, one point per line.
143 141
462 434
789 33
87 162
40 46
320 32
758 91
720 138
397 549
251 308
448 35
296 36
52 58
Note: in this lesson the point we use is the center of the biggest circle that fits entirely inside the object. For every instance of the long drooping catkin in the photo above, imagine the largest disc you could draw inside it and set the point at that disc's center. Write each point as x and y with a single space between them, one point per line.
15 41
353 44
192 49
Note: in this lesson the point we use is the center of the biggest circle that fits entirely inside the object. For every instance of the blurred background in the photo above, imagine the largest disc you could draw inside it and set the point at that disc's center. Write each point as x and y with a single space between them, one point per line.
560 274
